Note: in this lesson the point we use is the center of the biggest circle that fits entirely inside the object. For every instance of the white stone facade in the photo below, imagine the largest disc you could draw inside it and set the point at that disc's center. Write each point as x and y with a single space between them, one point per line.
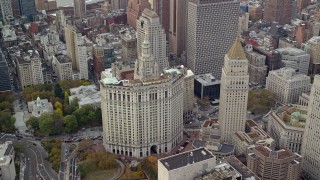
288 135
287 85
62 66
233 92
6 8
39 107
295 58
311 139
149 23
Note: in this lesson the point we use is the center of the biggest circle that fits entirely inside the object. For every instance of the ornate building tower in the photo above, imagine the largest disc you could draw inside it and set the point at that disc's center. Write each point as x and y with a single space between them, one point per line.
146 68
234 92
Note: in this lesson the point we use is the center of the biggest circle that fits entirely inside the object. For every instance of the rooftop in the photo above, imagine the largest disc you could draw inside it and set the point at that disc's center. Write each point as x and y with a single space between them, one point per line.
293 116
280 154
289 74
62 58
240 167
5 148
186 158
206 79
290 51
236 51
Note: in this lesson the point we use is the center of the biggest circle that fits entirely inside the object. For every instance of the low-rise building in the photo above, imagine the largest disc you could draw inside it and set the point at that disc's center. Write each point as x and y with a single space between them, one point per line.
62 66
281 164
220 150
287 85
208 128
286 126
295 58
220 171
256 136
7 166
185 166
304 99
87 95
258 69
39 107
206 85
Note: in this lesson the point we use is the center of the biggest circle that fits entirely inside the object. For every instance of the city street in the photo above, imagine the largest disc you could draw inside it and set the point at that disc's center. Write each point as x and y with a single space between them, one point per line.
36 165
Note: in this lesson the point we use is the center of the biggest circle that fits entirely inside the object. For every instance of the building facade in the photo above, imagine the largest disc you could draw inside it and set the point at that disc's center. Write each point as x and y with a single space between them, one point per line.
185 166
278 10
142 116
258 69
4 74
103 57
310 152
233 92
6 9
62 66
80 8
149 23
7 165
119 4
287 85
36 68
128 44
212 27
313 48
295 58
269 164
39 106
286 126
206 86
134 11
178 26
27 8
70 35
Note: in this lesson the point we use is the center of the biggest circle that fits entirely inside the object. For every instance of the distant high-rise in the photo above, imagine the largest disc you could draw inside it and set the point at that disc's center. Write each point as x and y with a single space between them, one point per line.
27 8
234 92
161 7
311 138
4 74
212 27
15 8
278 10
119 4
177 26
80 8
134 11
149 23
70 34
6 8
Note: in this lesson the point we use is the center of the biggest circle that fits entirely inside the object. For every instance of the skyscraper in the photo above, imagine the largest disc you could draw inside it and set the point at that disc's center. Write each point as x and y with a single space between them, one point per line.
70 34
212 27
161 7
27 8
177 26
149 23
80 8
233 92
142 116
4 74
135 9
278 10
6 8
119 4
311 138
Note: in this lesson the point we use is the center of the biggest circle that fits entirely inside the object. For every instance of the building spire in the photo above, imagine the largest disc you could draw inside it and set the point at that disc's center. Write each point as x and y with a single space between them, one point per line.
236 51
146 46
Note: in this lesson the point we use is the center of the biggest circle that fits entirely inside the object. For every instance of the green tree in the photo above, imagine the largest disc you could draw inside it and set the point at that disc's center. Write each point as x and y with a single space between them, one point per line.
58 105
58 91
71 123
66 97
33 122
7 122
46 123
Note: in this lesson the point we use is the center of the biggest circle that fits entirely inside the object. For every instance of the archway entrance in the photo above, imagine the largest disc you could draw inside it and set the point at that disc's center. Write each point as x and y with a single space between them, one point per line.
154 149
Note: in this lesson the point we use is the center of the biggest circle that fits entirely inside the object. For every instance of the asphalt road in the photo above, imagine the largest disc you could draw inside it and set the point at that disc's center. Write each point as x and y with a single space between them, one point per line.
74 173
37 167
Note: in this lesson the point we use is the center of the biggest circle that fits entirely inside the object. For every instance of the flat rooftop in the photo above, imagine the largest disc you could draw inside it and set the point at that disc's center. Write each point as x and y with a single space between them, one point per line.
280 154
206 79
62 58
183 159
